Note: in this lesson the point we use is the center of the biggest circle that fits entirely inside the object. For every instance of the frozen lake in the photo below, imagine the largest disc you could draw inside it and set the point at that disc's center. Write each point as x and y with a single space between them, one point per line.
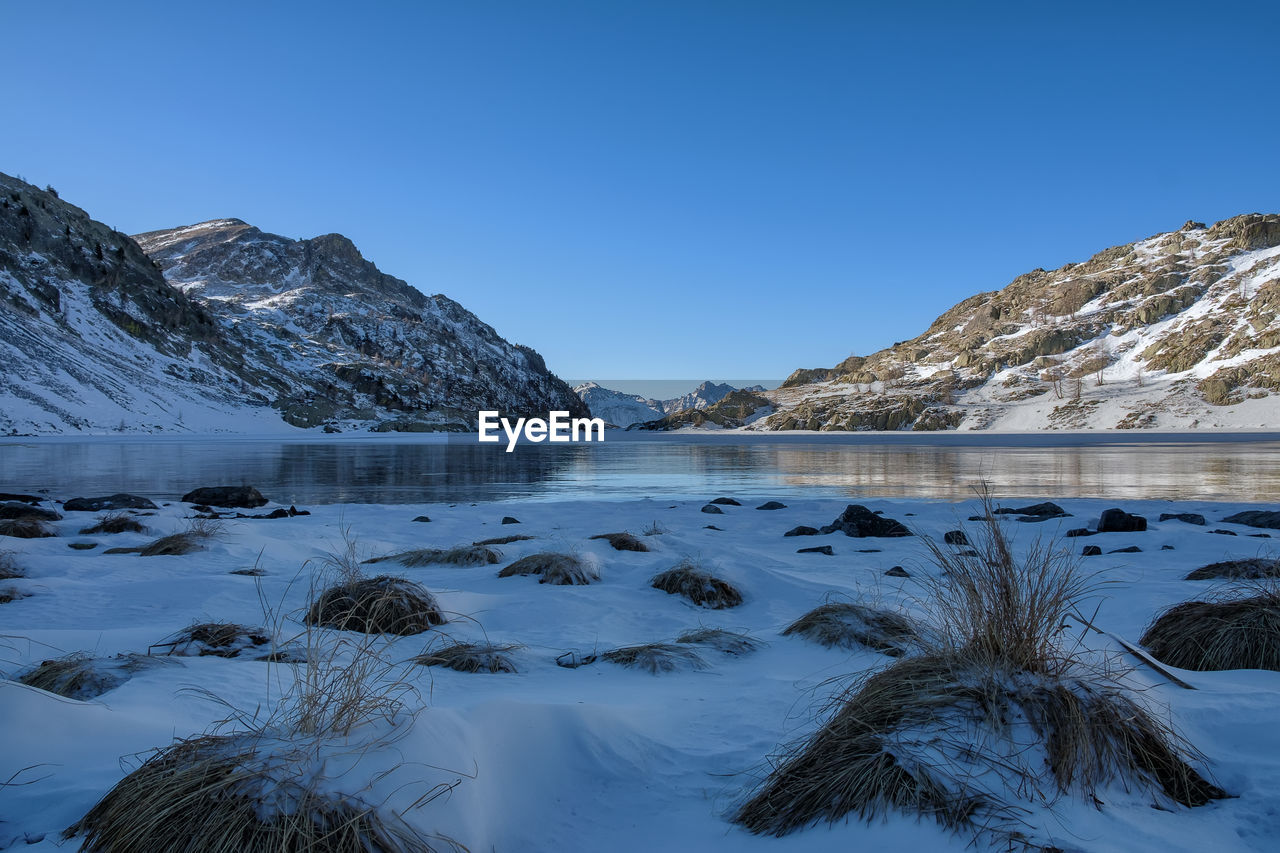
399 469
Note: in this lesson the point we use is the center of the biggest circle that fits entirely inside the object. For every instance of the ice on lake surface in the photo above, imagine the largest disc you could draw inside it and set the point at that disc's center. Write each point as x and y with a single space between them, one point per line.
388 470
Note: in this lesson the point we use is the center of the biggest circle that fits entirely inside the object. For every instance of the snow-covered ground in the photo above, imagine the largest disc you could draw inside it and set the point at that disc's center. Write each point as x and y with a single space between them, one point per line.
598 757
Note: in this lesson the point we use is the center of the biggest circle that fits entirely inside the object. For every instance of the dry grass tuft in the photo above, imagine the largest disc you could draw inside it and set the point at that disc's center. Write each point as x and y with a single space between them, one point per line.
25 528
655 657
623 541
214 639
239 792
379 605
846 625
114 522
505 540
12 593
462 555
188 541
83 676
948 738
553 568
727 642
697 585
1255 569
1231 632
9 568
470 657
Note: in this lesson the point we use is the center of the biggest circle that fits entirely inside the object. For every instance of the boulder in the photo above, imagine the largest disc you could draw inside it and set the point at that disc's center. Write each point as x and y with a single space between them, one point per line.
20 498
422 518
1256 518
712 509
858 521
726 502
16 510
1130 549
120 500
226 496
802 530
1079 531
820 549
955 537
772 505
1038 512
1187 517
897 572
1090 551
1118 521
507 519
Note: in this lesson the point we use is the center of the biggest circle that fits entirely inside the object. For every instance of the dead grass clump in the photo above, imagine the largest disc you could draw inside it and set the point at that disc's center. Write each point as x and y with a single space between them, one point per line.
623 541
846 625
25 528
379 605
83 676
213 639
9 568
553 568
1255 569
462 555
1232 632
470 657
239 792
697 585
655 657
188 541
945 737
115 522
504 540
727 642
12 593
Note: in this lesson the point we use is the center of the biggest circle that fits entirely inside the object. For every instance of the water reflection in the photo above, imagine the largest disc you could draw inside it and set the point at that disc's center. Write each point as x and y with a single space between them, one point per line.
396 471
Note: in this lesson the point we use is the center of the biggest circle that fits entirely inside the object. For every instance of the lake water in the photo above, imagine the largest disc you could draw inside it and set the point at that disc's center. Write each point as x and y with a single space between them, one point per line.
396 469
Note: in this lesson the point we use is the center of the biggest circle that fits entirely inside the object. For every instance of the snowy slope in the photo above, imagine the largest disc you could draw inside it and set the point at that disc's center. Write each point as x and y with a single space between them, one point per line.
624 410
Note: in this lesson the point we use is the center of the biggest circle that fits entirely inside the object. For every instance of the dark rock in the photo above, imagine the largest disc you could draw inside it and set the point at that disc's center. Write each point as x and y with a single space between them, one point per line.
1221 532
82 546
116 501
422 518
1256 518
1090 551
772 505
201 508
821 549
1040 511
506 519
713 509
226 496
1118 521
977 518
955 537
254 572
726 502
17 509
897 572
20 498
857 520
1258 535
1166 547
1080 531
711 527
1188 517
868 550
1130 549
293 510
802 530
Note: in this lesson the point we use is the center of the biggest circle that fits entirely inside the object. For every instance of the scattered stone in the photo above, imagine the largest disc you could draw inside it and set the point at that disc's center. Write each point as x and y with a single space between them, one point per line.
1166 547
821 549
712 509
1080 531
772 505
82 546
18 510
726 502
422 518
1036 512
1187 517
1118 521
1221 532
1090 551
1255 518
123 551
246 497
802 530
120 500
1258 535
20 498
868 550
1130 549
898 572
711 527
858 521
955 537
254 572
506 519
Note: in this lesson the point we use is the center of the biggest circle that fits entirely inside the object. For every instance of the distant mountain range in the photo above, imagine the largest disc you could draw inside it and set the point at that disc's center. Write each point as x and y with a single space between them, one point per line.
623 410
222 327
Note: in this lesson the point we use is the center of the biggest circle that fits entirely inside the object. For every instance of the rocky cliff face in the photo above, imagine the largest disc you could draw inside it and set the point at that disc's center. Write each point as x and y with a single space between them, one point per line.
247 332
1181 330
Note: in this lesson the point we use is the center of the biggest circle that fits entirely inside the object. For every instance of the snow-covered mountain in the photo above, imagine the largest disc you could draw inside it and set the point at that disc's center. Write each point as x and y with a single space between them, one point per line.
624 410
249 332
1177 331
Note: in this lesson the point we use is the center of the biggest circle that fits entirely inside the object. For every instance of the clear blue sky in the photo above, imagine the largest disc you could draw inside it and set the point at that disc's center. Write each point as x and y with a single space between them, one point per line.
661 189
